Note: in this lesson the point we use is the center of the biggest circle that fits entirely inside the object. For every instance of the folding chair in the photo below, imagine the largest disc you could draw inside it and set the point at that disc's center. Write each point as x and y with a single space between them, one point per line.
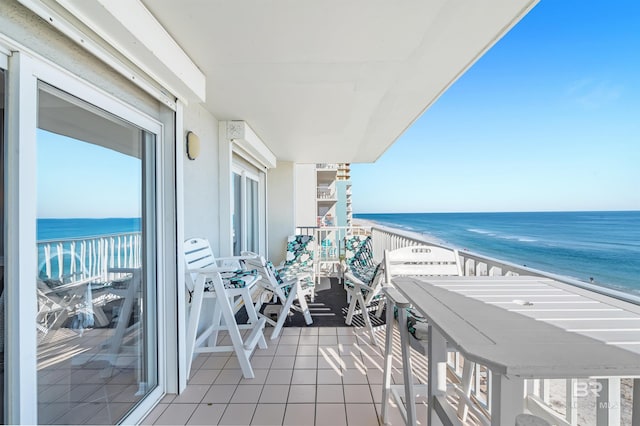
287 290
205 279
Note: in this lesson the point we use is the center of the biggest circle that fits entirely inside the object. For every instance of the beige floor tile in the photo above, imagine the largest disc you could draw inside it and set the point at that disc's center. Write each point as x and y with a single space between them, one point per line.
228 377
306 362
289 339
279 377
149 420
304 377
176 414
302 394
192 394
376 392
232 362
309 331
308 340
308 350
283 362
238 414
359 394
361 414
203 377
199 361
261 362
324 340
346 331
354 376
326 361
327 331
291 331
207 414
286 350
268 414
347 339
331 415
219 394
214 363
168 398
260 377
375 377
245 394
329 393
329 377
274 394
300 414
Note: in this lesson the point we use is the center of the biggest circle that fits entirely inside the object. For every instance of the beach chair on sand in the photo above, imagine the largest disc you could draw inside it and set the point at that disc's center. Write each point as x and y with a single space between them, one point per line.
286 290
414 261
221 281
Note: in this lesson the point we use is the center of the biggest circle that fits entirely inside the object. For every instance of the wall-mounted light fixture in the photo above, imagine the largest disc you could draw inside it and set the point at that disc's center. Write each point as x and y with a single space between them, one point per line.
193 146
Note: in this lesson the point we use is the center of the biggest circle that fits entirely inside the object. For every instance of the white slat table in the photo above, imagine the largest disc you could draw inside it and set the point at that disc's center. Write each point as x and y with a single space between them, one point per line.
524 328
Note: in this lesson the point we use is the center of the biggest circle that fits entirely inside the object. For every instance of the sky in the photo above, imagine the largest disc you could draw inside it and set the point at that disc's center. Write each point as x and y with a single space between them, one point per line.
81 180
547 120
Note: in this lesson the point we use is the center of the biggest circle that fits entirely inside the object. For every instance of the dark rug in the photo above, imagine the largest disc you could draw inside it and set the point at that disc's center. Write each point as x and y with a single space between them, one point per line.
329 308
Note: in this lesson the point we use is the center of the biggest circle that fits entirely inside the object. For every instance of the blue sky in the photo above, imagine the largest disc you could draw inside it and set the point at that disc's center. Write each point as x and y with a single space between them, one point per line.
78 179
548 119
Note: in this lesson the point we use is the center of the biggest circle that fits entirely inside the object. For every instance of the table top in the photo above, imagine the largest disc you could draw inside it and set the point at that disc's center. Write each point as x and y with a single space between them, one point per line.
530 327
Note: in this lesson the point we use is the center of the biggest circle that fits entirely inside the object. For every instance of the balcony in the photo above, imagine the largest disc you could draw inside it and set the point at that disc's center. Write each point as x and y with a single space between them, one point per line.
333 375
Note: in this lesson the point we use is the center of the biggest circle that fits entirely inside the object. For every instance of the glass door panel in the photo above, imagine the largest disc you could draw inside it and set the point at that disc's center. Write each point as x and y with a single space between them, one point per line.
96 275
2 298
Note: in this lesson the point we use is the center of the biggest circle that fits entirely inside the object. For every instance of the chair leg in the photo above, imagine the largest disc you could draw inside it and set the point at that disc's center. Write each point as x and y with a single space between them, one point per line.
253 315
365 317
216 318
380 307
194 319
409 392
224 305
467 375
284 312
302 299
352 309
388 363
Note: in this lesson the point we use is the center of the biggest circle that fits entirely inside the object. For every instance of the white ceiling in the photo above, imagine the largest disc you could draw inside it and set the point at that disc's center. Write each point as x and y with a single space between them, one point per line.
331 80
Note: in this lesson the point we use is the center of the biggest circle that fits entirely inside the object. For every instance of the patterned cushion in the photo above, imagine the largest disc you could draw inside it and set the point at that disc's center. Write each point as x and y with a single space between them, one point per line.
416 323
300 251
234 279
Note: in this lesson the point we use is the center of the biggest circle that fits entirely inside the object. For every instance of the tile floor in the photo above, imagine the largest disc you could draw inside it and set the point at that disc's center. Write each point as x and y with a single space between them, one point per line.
309 376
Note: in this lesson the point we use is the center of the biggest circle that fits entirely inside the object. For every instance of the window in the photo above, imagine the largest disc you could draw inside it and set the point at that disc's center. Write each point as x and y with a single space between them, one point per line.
248 217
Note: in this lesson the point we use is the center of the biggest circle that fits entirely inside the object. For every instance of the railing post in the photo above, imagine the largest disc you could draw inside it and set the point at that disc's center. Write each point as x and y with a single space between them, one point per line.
635 413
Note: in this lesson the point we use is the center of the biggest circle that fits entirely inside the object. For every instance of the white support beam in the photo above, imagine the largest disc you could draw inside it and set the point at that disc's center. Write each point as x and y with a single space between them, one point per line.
507 399
608 402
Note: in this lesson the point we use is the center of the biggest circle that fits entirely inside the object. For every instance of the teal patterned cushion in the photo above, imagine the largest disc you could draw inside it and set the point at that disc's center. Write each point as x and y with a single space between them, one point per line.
300 252
234 279
416 323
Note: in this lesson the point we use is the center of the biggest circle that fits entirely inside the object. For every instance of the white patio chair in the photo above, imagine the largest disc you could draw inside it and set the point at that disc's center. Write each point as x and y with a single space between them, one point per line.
287 290
362 295
206 279
415 261
299 259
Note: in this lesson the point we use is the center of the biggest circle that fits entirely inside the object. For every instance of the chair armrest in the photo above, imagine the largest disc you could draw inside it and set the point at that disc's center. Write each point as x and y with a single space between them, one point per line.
211 270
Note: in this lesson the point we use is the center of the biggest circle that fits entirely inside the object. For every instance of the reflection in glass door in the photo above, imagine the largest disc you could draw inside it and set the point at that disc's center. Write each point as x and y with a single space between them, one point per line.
2 298
96 275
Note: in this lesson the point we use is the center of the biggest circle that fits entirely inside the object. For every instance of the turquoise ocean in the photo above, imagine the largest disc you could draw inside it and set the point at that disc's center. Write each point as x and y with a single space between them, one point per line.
56 229
601 245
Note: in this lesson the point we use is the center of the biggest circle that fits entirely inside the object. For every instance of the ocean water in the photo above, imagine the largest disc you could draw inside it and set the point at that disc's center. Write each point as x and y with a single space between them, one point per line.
54 229
604 246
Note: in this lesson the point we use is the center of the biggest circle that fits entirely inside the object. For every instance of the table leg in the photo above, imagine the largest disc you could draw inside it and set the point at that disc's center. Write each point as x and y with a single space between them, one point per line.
507 399
437 373
388 362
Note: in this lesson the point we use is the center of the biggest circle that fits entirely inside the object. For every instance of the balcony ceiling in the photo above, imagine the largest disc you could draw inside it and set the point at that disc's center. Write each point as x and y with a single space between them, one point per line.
331 81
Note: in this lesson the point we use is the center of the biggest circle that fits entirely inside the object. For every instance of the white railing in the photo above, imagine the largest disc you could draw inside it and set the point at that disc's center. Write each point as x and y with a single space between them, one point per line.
539 394
88 256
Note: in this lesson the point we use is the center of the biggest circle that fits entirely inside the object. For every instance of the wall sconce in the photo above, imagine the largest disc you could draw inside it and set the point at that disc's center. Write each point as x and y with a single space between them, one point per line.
193 146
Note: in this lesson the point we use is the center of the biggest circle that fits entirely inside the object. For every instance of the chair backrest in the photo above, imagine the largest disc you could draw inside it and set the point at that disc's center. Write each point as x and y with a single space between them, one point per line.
421 260
270 275
300 250
356 247
198 254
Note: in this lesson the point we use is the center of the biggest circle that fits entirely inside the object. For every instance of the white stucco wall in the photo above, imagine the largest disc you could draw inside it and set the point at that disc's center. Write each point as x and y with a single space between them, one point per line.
305 195
280 210
201 193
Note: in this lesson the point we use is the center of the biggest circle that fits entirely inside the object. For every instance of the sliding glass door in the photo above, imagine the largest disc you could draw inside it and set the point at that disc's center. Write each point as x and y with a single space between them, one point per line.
2 254
248 209
96 262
